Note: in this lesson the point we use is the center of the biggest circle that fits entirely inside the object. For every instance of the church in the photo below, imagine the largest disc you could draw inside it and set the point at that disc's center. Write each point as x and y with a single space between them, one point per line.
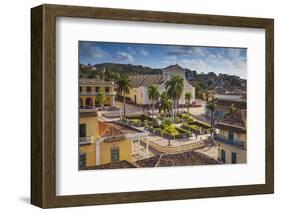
140 83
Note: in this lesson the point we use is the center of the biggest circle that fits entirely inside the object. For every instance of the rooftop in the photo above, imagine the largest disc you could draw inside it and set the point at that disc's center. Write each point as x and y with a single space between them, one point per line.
146 80
173 68
189 158
234 121
111 131
112 165
237 98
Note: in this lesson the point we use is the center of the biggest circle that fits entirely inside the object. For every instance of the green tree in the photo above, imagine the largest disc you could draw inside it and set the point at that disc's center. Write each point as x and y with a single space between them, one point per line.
174 88
153 94
101 99
171 131
186 118
212 107
232 109
188 97
164 104
124 87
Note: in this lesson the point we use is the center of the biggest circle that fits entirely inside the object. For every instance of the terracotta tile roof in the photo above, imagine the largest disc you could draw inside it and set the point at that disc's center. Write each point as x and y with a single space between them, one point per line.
189 158
174 68
112 165
149 162
234 121
107 130
146 80
115 130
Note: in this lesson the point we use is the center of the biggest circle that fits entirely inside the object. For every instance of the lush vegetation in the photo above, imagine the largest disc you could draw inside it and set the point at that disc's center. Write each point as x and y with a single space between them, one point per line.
110 71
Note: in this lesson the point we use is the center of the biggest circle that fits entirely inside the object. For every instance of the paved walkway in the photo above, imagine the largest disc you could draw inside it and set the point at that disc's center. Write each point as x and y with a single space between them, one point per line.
178 142
175 149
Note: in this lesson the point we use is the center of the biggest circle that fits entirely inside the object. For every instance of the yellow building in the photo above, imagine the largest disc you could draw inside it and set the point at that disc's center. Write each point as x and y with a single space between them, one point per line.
208 95
88 134
232 138
102 143
90 88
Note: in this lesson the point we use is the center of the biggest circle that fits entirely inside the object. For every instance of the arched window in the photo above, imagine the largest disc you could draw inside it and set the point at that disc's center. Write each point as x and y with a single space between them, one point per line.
89 103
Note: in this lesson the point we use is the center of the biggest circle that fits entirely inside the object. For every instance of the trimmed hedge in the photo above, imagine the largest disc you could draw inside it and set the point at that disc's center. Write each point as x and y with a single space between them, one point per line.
194 129
201 124
184 131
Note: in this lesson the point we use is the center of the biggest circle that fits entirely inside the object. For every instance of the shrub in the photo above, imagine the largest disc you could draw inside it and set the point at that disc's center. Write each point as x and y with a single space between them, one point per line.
201 124
184 132
186 118
193 128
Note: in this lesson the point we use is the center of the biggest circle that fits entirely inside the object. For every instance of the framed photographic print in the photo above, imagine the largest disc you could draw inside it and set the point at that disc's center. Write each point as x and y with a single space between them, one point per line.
137 106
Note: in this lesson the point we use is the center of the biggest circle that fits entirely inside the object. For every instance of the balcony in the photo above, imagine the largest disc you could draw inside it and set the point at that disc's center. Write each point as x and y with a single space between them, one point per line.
88 110
92 93
86 140
236 143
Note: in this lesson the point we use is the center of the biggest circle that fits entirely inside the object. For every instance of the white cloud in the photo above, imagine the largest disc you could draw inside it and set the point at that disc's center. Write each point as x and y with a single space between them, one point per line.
194 64
124 57
132 50
97 52
168 60
234 53
226 66
187 51
144 52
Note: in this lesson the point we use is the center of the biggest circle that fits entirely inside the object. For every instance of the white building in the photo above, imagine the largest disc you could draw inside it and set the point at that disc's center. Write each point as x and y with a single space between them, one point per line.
140 84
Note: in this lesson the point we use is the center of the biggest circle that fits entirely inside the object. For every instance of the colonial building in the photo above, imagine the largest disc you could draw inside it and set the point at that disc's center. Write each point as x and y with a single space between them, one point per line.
90 88
208 95
224 102
140 84
232 138
102 143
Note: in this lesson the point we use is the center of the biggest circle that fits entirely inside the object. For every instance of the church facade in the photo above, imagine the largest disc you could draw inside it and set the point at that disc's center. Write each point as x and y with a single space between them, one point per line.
140 84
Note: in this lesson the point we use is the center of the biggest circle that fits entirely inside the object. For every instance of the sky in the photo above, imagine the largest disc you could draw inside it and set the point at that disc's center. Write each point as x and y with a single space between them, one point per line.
232 61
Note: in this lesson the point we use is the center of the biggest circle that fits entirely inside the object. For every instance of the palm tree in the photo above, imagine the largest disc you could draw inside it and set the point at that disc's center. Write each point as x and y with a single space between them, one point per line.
101 99
232 109
164 104
188 97
212 107
174 88
153 94
171 131
124 87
